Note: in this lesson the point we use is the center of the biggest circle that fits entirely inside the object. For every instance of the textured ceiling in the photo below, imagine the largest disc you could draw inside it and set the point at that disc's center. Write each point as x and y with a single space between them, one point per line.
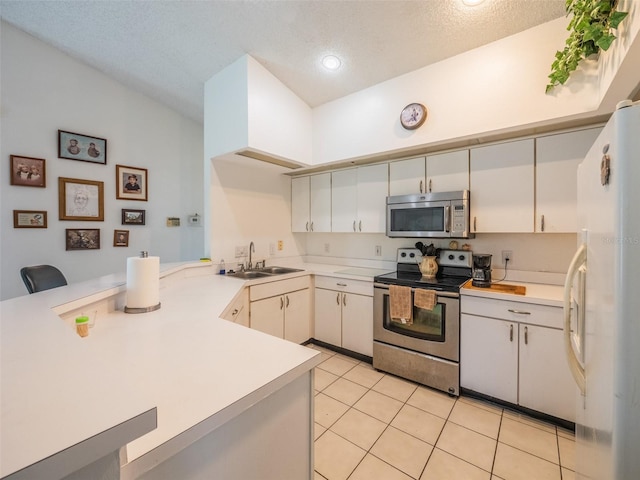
168 49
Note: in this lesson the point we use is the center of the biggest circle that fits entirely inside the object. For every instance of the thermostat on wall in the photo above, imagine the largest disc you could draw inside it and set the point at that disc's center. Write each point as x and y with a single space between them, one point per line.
194 220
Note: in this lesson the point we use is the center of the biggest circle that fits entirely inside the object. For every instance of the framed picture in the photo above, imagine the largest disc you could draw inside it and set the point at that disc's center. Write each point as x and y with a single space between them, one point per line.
75 146
131 183
27 171
121 238
80 199
29 219
132 217
82 238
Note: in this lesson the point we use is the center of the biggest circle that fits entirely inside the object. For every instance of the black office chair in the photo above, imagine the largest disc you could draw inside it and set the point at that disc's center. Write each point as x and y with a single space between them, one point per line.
42 277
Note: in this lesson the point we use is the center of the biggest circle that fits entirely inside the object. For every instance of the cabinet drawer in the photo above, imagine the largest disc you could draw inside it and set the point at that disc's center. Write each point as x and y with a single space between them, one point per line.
522 312
271 289
345 285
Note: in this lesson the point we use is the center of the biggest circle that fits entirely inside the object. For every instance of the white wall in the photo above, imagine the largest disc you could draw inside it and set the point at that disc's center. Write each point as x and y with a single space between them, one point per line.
43 90
499 87
250 201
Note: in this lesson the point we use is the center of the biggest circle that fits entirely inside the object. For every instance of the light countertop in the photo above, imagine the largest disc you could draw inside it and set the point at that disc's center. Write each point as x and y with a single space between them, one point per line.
536 293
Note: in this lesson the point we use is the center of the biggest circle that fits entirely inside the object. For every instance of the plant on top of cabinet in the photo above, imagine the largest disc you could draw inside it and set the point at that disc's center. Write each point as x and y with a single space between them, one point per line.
590 26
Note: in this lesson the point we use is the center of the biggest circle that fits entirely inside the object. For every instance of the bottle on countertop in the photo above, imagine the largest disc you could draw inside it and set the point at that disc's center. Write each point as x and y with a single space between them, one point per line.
222 268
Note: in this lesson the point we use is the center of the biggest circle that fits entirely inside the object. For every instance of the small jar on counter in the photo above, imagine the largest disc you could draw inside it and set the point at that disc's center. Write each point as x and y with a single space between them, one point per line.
82 325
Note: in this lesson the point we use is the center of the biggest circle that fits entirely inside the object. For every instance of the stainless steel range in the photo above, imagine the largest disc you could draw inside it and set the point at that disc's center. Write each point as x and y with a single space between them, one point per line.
426 349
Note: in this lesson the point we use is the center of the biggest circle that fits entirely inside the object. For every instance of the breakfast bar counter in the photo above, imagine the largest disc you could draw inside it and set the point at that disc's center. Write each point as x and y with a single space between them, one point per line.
220 390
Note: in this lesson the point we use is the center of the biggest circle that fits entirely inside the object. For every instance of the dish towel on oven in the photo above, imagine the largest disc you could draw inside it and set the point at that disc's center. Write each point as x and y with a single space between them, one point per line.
400 307
425 299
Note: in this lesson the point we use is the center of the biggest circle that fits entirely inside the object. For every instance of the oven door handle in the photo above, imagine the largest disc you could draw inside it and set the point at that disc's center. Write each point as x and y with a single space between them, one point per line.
385 287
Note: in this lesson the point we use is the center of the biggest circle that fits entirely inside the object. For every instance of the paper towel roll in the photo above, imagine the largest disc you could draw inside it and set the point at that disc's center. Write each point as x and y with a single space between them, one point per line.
143 282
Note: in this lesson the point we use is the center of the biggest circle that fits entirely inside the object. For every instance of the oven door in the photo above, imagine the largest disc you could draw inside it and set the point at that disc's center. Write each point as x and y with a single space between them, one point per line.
433 332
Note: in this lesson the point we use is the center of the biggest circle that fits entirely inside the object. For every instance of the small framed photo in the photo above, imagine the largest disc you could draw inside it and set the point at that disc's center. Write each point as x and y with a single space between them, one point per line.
80 199
132 217
121 238
82 238
29 219
27 171
131 183
75 146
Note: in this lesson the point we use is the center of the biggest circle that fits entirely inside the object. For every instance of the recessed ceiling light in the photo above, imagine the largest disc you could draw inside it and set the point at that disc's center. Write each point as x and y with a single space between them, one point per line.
331 62
472 3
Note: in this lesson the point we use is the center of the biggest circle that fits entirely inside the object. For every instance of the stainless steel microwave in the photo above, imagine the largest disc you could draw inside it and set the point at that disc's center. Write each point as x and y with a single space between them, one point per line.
435 215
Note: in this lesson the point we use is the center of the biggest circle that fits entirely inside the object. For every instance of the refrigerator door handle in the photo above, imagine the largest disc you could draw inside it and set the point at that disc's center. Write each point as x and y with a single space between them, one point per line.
577 370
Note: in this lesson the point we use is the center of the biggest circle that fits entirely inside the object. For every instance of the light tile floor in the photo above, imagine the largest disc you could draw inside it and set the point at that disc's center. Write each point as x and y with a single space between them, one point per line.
374 426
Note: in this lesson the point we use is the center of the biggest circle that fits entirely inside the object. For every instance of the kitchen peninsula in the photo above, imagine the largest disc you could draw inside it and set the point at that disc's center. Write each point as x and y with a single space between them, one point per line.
230 401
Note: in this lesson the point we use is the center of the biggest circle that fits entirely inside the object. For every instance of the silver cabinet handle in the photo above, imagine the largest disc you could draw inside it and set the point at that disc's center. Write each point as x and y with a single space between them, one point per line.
526 336
281 303
344 299
475 228
312 226
360 225
354 225
235 312
421 184
511 333
306 227
430 185
542 223
287 300
338 299
341 284
519 312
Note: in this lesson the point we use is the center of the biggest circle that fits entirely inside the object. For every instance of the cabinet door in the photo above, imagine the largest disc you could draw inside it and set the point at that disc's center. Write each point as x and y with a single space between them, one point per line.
489 357
296 316
546 384
320 200
238 311
407 176
448 172
344 199
557 160
328 323
373 186
501 184
300 204
267 315
357 323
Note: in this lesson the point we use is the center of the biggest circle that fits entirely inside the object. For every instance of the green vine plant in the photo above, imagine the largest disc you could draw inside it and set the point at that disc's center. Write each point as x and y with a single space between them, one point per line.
590 29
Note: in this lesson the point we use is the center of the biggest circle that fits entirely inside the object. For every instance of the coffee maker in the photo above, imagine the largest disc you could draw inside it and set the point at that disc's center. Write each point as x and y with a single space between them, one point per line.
481 270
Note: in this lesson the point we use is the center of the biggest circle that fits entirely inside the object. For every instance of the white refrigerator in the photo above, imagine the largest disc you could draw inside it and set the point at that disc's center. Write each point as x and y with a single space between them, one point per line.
602 303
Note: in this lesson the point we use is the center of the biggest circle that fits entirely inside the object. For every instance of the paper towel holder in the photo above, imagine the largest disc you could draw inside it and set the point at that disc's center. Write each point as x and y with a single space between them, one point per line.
143 254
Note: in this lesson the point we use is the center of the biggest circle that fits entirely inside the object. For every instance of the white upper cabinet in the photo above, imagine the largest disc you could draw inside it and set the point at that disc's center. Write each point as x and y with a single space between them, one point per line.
358 199
445 172
557 160
311 203
407 176
448 172
501 186
300 191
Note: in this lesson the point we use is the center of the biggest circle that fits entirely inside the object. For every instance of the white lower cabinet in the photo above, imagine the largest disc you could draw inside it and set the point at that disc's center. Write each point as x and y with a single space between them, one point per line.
344 314
238 309
282 309
514 352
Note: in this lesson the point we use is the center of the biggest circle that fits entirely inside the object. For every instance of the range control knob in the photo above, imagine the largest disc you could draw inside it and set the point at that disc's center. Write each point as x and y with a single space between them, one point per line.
412 255
461 257
403 254
451 256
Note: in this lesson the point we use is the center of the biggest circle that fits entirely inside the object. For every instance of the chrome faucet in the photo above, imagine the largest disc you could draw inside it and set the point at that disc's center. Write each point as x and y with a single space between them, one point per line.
252 248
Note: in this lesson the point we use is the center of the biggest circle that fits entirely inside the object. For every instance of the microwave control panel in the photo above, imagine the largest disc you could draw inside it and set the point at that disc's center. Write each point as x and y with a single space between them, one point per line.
458 220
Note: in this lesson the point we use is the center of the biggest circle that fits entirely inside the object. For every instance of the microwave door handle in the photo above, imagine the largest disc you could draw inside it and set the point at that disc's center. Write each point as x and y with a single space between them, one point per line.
447 218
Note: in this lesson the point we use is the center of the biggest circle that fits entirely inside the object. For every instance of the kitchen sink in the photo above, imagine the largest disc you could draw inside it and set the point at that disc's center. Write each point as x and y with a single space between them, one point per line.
263 272
278 270
249 274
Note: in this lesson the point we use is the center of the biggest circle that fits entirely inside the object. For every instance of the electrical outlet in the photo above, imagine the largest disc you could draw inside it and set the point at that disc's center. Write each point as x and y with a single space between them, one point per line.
327 248
507 255
378 251
280 245
241 251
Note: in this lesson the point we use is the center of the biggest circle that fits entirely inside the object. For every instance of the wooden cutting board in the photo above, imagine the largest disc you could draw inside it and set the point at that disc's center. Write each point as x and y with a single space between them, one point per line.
500 288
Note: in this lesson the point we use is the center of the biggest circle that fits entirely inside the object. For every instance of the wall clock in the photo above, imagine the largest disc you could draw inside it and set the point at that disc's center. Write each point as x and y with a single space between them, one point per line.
413 115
